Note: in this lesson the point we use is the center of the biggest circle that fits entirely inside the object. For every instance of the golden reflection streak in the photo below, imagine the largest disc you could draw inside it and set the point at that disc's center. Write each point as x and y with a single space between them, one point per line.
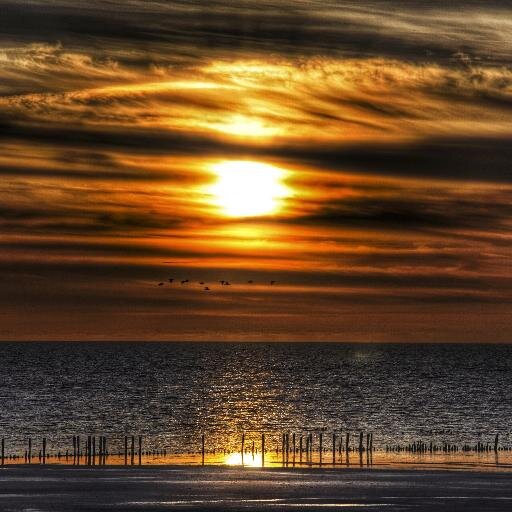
235 459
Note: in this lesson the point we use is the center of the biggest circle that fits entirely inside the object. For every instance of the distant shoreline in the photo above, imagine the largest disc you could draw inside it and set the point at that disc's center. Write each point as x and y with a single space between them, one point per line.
413 466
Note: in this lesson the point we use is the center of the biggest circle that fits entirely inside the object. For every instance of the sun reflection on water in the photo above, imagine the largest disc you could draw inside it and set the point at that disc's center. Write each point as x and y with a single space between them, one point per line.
235 459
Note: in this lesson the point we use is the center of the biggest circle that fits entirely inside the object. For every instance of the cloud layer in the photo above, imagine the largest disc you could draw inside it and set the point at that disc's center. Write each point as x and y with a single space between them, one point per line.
393 123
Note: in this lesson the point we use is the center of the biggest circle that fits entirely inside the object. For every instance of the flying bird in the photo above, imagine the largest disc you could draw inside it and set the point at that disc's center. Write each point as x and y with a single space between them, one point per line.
184 281
201 282
206 289
160 284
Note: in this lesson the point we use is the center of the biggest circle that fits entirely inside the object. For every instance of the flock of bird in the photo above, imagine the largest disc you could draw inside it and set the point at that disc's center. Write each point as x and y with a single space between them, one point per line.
205 286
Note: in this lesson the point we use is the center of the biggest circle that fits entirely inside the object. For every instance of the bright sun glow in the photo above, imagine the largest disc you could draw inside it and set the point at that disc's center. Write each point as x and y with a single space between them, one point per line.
235 459
248 189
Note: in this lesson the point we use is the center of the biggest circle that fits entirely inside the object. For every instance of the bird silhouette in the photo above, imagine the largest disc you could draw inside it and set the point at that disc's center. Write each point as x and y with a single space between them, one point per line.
170 280
206 289
160 284
184 281
250 281
222 282
227 283
201 282
272 283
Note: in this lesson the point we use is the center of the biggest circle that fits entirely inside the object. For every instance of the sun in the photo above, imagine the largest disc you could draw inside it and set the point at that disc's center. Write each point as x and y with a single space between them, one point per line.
248 189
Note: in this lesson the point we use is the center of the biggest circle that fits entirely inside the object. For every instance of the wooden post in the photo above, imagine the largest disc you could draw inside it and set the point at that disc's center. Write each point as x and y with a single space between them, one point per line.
496 439
361 442
347 443
140 450
263 449
321 448
333 448
93 450
125 450
202 450
293 447
133 451
29 449
300 449
74 448
3 451
243 447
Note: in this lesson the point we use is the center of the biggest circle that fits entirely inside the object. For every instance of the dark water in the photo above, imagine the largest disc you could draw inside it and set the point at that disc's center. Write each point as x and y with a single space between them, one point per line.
171 393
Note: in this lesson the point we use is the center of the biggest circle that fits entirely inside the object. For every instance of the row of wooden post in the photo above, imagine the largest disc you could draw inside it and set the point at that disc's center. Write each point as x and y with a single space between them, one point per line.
307 447
90 452
445 447
286 448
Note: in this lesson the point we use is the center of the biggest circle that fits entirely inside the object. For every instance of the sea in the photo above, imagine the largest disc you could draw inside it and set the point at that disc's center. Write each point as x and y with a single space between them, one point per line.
173 393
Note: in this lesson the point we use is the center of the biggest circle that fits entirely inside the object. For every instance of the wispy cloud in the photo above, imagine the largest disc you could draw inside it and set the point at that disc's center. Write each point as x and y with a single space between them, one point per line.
392 122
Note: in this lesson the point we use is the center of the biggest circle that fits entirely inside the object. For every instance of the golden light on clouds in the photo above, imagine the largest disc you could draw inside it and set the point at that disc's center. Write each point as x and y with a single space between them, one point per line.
248 189
369 169
242 126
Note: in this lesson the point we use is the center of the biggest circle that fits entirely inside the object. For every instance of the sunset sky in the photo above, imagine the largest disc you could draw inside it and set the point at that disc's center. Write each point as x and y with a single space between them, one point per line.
358 153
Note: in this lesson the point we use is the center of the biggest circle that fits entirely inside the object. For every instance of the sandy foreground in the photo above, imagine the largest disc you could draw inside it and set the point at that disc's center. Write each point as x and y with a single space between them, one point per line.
150 488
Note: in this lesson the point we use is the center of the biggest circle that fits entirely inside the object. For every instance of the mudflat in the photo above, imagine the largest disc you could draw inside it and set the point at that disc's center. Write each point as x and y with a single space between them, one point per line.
156 488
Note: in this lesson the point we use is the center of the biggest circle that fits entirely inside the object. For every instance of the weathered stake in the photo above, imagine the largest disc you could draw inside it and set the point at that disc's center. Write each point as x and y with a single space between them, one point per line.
263 449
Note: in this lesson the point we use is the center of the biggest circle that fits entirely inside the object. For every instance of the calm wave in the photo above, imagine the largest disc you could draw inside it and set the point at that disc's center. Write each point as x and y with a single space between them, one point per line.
171 393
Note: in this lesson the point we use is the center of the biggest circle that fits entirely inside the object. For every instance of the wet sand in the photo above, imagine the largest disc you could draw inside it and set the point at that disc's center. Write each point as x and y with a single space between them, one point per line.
225 489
